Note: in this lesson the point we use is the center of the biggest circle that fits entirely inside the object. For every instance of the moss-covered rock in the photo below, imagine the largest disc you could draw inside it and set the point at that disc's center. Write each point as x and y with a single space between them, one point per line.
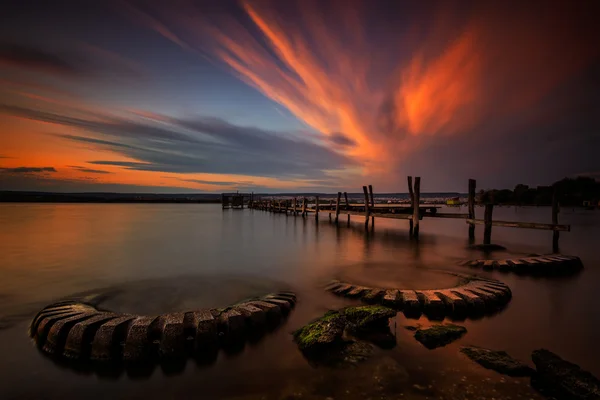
439 335
562 379
324 332
499 361
342 337
366 318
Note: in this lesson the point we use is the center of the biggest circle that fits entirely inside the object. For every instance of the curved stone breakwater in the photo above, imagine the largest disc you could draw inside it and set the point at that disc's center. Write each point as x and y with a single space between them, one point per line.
78 331
553 264
473 299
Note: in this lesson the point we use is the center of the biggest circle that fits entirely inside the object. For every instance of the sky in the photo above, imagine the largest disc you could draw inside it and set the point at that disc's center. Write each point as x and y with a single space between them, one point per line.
291 96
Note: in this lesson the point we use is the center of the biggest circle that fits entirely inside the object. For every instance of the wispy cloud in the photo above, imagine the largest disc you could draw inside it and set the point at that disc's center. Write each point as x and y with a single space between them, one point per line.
197 145
90 170
27 170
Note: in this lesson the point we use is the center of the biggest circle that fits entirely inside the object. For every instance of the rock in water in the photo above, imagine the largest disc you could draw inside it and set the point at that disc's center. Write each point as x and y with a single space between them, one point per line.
562 379
499 361
367 318
321 334
330 339
439 335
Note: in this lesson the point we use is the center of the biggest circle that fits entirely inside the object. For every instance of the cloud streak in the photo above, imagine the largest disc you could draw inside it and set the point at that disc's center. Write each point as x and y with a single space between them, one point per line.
196 145
27 170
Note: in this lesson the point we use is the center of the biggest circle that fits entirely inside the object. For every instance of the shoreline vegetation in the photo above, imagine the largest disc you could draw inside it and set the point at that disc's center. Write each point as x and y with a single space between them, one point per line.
572 192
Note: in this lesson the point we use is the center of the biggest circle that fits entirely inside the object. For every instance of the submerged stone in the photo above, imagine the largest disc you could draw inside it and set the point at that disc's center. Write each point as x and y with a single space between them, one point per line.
499 361
562 379
439 335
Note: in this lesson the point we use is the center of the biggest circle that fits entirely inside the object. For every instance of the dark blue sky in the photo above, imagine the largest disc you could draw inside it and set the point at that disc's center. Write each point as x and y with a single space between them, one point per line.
295 96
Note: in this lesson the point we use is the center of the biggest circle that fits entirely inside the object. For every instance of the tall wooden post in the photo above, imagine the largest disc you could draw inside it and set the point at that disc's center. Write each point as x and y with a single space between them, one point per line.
337 207
294 204
417 198
372 204
317 207
487 218
412 202
555 211
330 208
304 207
347 204
365 191
222 201
472 186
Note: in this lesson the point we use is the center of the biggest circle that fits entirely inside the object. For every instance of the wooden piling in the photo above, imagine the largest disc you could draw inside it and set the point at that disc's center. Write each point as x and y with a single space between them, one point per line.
347 203
337 207
555 211
295 204
472 187
412 202
316 207
417 196
365 191
372 204
304 206
487 217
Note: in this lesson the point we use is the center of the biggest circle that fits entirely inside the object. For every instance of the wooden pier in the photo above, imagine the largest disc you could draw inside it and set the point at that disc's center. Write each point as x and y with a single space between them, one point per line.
413 212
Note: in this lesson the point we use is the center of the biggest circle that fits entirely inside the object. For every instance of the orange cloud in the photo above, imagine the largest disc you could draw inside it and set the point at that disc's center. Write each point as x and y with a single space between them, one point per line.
391 94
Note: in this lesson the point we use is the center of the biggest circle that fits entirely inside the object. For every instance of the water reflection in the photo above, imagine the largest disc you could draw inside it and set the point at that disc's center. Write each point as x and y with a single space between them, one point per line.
49 251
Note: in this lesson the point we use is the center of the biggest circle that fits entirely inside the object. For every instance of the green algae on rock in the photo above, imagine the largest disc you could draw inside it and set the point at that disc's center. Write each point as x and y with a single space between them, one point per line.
439 335
498 361
334 338
562 379
366 318
326 331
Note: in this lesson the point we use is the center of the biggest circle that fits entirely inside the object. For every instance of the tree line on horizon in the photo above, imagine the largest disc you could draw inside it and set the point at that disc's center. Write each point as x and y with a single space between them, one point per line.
578 191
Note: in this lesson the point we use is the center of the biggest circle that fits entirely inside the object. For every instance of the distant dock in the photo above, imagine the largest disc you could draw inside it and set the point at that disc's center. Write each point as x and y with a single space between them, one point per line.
413 212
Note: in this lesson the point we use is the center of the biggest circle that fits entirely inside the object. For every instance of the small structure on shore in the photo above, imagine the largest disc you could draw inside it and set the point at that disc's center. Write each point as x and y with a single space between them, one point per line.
236 200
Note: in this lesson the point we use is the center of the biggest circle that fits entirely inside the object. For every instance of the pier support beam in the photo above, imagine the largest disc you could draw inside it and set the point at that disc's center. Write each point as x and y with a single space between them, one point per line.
417 198
412 203
372 205
365 191
337 207
304 207
317 208
472 186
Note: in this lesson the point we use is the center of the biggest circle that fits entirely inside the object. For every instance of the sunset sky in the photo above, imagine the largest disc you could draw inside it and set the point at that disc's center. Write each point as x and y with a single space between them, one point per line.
283 96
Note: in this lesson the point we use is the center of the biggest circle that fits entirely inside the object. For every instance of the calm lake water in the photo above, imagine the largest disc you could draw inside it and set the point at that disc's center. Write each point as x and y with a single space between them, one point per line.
178 257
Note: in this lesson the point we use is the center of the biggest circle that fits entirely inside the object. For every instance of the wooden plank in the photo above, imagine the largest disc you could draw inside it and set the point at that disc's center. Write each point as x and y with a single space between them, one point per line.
526 225
447 215
471 203
417 194
366 193
487 233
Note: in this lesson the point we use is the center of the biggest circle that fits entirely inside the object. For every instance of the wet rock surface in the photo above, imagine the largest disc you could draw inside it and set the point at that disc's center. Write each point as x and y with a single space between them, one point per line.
345 336
439 335
498 361
562 379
